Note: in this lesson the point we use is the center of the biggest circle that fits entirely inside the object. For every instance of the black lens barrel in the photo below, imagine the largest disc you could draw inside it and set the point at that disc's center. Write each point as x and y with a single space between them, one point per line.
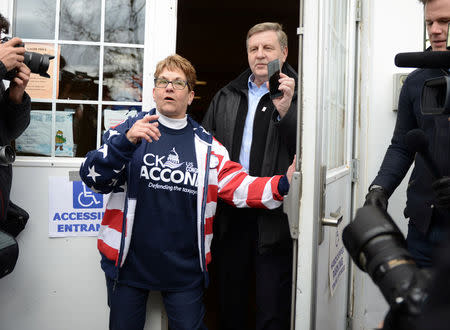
378 247
38 63
7 155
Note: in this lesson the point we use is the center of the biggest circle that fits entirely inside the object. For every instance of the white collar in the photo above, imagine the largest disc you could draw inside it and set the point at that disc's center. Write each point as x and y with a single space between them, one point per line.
172 122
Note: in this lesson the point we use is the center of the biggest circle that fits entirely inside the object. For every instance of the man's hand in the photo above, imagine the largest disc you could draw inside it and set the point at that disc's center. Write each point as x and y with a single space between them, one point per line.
291 170
10 56
282 103
441 188
19 83
143 129
377 196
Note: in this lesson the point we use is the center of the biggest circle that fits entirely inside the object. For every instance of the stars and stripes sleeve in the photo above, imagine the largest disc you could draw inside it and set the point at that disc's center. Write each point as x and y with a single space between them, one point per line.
104 169
238 188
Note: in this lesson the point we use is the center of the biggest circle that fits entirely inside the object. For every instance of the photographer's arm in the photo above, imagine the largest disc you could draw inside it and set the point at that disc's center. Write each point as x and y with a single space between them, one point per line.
398 158
15 104
18 84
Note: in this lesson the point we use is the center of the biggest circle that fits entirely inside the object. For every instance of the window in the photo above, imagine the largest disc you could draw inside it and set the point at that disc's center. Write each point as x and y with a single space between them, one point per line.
335 66
96 74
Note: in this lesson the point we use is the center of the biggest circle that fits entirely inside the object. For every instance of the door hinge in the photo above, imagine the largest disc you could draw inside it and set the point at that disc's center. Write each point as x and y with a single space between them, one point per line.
355 170
358 13
291 204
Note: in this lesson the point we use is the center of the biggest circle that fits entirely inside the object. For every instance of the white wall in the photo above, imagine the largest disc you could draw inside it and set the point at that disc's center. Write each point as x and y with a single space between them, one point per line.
57 282
388 28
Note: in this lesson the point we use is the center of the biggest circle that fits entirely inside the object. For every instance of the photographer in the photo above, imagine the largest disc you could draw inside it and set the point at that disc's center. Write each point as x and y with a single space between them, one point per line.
427 206
15 105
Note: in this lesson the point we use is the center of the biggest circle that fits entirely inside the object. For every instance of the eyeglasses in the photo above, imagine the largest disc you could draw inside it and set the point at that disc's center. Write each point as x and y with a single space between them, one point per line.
177 84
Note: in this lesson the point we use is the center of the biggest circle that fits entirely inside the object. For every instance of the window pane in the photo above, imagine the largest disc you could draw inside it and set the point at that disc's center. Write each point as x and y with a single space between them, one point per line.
80 20
37 138
40 86
125 21
334 86
76 129
79 72
123 69
35 19
113 115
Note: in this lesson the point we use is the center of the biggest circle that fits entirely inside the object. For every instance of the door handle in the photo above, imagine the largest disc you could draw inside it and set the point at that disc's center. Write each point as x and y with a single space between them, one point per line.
334 220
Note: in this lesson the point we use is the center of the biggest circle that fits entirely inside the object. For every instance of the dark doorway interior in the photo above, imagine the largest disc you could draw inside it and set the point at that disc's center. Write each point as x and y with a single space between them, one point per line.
211 34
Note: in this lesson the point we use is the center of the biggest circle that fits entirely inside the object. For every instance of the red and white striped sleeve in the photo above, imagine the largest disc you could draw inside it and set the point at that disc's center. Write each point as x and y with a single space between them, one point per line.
238 188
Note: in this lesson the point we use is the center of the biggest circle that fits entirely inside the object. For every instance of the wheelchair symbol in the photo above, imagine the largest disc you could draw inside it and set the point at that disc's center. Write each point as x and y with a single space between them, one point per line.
86 198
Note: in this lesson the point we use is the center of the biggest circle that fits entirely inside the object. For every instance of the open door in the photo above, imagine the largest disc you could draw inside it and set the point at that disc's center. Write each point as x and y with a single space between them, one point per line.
326 163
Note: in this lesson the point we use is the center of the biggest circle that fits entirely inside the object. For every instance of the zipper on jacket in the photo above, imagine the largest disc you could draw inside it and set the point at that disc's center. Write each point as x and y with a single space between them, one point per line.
122 238
203 209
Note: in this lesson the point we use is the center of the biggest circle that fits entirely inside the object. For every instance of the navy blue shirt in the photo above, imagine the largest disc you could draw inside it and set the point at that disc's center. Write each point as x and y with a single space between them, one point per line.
164 251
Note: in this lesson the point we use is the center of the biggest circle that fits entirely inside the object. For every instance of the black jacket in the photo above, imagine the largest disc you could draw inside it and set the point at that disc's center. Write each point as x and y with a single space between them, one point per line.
273 148
14 119
398 159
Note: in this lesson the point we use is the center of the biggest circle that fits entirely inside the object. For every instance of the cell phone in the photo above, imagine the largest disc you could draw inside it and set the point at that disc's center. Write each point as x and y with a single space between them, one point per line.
448 37
274 68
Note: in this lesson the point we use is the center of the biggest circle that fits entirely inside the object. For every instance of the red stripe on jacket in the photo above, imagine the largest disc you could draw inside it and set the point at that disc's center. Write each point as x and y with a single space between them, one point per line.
113 218
255 192
109 252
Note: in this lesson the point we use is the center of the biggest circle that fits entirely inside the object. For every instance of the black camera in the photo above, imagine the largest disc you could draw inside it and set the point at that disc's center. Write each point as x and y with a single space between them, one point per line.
7 155
378 247
38 63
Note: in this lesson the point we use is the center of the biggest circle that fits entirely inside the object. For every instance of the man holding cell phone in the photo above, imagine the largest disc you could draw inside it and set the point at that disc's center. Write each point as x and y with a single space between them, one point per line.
259 130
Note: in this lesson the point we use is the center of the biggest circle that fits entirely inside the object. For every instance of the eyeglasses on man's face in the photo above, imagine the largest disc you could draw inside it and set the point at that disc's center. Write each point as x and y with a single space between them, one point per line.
177 84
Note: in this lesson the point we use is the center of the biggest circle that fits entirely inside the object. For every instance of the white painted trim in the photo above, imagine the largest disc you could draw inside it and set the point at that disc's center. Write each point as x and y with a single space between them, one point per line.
24 161
310 169
337 173
160 41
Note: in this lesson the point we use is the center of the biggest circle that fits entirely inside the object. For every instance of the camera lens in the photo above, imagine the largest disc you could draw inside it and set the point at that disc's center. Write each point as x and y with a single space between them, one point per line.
38 63
377 246
7 155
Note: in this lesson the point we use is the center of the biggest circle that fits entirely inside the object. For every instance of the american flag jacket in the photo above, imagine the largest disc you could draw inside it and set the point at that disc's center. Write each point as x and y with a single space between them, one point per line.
106 170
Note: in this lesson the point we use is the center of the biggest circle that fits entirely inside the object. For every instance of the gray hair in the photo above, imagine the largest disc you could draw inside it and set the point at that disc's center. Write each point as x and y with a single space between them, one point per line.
269 26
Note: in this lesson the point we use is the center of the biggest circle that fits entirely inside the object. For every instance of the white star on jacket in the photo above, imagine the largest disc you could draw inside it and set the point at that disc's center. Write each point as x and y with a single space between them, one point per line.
104 150
112 133
92 173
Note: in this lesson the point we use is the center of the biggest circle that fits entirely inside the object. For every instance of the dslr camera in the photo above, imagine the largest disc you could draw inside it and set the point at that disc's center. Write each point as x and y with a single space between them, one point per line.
378 248
37 63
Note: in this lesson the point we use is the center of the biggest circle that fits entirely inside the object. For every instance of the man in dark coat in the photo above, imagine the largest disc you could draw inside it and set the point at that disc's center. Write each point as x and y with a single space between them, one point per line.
15 105
260 133
427 206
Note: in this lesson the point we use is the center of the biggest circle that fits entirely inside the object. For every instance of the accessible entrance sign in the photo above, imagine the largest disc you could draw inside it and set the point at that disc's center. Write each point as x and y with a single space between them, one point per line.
74 209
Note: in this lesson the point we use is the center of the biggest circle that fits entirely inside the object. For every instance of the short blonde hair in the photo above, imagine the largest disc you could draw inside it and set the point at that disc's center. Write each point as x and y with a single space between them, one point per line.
269 26
174 62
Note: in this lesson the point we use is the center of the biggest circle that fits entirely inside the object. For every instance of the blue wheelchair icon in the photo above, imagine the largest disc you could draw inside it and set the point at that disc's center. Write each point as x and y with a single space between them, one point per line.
84 198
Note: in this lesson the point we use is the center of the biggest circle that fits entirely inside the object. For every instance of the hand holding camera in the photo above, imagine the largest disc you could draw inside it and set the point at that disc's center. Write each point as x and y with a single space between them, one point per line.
12 53
377 196
20 64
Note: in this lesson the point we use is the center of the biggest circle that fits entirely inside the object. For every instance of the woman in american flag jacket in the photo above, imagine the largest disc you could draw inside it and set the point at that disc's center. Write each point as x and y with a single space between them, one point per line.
164 173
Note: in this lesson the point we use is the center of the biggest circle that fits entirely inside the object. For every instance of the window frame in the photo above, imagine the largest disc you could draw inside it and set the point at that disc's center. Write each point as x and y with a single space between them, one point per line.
158 43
